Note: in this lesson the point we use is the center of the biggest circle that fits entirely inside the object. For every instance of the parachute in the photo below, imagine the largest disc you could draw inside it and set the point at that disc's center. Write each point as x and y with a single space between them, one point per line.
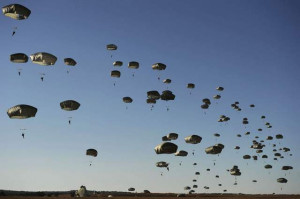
21 111
166 148
246 157
220 88
190 85
69 105
16 11
162 164
153 95
127 100
181 153
187 188
197 173
217 96
282 180
70 62
111 47
172 136
279 136
252 105
19 58
133 65
131 189
159 66
165 138
43 58
115 73
118 63
167 81
268 166
235 171
167 95
193 139
92 152
214 149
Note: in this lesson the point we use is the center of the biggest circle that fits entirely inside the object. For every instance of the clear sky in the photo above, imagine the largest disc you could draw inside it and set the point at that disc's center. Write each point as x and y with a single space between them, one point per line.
251 48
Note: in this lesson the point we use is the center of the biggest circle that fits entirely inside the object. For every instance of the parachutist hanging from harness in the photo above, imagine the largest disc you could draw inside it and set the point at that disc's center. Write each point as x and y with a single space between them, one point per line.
19 73
69 121
23 135
168 168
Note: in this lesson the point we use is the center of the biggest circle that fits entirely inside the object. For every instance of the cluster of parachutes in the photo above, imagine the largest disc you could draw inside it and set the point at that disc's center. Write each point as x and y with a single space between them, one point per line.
23 111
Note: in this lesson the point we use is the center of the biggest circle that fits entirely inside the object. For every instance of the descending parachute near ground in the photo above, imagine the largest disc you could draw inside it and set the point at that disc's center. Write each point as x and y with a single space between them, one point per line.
187 188
131 189
92 152
193 139
166 148
69 105
19 58
21 111
16 11
43 58
235 171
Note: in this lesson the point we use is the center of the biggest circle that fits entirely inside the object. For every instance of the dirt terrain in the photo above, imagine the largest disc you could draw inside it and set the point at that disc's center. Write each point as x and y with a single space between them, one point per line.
196 196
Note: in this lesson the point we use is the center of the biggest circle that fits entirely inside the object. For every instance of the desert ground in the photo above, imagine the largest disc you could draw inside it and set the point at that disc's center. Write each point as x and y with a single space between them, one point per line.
206 196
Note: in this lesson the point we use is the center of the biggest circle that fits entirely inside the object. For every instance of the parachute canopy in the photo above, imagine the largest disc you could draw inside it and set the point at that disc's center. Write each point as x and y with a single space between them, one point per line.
118 63
214 149
43 58
16 11
127 100
181 153
282 180
131 189
159 66
190 85
111 47
153 95
19 58
166 148
69 105
172 136
167 81
21 111
162 164
115 73
133 65
92 152
70 62
193 139
167 95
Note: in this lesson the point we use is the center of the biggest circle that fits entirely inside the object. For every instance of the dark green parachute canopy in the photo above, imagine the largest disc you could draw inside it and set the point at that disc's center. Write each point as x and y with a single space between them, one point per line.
269 138
259 129
246 157
181 153
220 145
118 63
147 191
165 138
217 96
131 189
237 147
166 148
127 100
217 134
70 62
172 136
190 85
92 152
216 149
195 186
153 95
254 157
239 135
285 149
21 111
206 101
259 151
252 105
220 88
264 156
247 133
167 95
204 106
194 180
282 180
115 73
19 58
167 81
235 171
287 168
151 101
133 65
194 163
263 117
159 66
162 164
193 139
187 188
254 180
268 166
42 58
16 11
111 47
279 136
197 173
69 105
207 169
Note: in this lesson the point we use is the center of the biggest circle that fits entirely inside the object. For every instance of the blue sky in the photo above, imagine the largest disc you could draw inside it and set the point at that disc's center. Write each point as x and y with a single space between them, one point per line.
251 48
